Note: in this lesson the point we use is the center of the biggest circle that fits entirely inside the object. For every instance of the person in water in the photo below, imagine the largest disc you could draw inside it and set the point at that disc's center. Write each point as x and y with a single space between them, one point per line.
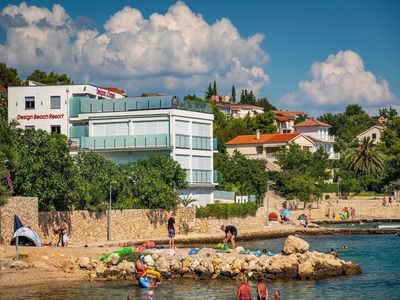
277 294
140 266
230 234
171 230
244 290
150 295
344 246
262 292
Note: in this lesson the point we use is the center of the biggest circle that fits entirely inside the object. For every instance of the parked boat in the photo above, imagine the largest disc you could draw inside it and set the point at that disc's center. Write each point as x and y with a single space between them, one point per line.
389 226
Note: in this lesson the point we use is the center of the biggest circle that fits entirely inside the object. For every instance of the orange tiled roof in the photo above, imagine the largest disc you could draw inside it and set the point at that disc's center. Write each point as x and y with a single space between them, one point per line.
282 119
288 113
115 90
264 138
312 123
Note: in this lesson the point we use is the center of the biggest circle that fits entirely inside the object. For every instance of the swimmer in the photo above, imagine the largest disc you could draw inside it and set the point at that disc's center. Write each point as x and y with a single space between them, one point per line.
262 292
150 295
344 246
277 294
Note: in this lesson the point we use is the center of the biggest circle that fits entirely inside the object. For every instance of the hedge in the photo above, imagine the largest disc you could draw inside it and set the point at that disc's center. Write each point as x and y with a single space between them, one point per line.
224 211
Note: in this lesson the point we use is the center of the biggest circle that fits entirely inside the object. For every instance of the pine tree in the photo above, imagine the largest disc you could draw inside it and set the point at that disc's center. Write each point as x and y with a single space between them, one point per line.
209 92
233 94
215 88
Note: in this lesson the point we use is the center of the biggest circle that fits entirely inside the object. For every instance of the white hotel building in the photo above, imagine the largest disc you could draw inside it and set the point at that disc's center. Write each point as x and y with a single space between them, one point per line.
124 129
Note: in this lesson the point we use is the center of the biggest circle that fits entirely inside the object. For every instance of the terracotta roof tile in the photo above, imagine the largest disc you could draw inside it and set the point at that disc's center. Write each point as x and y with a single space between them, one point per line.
114 90
312 123
264 138
288 113
282 119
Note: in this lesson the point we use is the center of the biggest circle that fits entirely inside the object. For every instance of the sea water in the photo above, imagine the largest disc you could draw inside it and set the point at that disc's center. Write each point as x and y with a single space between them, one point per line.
378 255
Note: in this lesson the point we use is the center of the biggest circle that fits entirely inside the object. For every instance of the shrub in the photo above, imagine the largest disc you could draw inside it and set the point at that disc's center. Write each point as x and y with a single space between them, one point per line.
224 211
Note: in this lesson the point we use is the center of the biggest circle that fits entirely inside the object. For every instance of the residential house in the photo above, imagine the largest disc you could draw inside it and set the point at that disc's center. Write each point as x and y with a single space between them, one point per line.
373 133
319 132
220 99
284 120
264 146
240 110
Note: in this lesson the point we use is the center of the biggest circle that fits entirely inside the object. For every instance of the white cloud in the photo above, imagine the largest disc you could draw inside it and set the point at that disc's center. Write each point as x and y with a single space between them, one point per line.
175 52
341 79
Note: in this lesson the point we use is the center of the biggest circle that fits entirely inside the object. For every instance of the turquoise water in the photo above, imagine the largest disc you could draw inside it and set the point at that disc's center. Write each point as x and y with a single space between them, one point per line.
378 255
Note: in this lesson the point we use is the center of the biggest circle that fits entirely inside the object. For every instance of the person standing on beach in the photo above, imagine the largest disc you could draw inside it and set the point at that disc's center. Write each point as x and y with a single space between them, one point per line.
65 233
244 290
171 230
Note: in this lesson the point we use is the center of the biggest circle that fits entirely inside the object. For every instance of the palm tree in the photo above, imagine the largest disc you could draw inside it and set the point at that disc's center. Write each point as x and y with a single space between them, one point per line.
364 159
186 200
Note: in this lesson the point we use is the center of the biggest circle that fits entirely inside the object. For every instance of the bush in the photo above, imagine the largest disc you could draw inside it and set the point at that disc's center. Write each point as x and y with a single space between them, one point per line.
331 188
224 211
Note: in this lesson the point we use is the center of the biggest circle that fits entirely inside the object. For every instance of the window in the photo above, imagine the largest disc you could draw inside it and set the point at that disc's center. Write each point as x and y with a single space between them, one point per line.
259 149
29 102
30 127
55 129
110 129
55 102
374 136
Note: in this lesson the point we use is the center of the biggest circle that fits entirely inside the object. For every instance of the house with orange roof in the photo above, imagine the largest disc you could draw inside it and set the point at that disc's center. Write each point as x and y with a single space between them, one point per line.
318 131
240 110
264 146
284 120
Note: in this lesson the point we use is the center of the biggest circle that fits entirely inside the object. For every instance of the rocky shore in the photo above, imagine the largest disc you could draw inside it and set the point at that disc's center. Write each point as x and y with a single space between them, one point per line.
294 262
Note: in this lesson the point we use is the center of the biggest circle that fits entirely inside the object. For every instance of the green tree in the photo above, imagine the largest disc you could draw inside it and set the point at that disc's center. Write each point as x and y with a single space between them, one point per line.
209 92
51 78
233 94
215 88
364 159
388 113
264 103
8 77
155 181
303 173
240 174
247 97
47 170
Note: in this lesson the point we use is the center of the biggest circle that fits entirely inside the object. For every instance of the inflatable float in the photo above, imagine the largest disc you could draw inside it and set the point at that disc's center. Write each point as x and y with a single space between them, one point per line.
119 252
148 279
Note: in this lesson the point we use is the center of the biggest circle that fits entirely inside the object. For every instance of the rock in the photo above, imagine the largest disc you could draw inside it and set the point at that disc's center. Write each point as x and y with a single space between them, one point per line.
216 261
350 268
186 263
252 265
113 259
236 264
155 256
306 270
295 245
45 257
126 266
162 265
149 261
194 264
84 262
239 249
175 265
100 269
19 264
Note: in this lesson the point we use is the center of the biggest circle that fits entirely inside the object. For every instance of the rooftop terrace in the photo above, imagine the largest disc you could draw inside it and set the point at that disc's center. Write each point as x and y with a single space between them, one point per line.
83 105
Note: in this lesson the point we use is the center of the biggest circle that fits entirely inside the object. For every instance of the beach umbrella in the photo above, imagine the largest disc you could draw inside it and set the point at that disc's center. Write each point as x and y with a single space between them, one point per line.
301 217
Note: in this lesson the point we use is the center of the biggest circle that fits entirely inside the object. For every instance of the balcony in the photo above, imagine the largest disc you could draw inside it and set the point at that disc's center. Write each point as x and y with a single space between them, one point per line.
215 144
201 176
334 155
182 141
125 142
201 143
82 105
215 177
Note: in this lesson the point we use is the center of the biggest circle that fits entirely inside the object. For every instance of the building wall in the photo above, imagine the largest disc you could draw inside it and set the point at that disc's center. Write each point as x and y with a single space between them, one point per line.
26 208
42 116
244 149
368 134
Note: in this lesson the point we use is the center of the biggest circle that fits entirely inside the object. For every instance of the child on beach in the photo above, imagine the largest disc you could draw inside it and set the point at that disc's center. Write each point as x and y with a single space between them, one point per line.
277 294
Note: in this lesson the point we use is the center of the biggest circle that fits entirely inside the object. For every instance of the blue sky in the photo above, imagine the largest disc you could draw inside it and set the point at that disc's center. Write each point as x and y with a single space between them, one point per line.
297 34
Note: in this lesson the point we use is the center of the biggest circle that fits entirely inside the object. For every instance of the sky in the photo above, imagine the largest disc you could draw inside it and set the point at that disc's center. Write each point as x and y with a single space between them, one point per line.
314 56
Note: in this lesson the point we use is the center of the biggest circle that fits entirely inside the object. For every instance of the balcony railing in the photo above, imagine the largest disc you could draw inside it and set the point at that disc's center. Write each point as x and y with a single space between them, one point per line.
82 105
215 144
215 177
182 141
125 141
334 155
201 143
201 176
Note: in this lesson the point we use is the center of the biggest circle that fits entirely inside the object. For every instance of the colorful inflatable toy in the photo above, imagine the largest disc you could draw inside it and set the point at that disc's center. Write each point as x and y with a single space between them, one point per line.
148 279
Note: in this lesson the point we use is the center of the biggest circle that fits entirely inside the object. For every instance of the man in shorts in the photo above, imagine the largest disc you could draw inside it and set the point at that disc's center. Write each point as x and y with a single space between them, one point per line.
171 230
230 234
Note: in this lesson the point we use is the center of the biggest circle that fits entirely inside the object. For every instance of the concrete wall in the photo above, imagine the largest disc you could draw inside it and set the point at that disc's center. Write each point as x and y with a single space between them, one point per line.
26 208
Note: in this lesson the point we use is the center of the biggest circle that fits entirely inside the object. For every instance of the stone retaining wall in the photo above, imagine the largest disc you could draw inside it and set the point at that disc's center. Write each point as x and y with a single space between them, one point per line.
26 208
88 227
